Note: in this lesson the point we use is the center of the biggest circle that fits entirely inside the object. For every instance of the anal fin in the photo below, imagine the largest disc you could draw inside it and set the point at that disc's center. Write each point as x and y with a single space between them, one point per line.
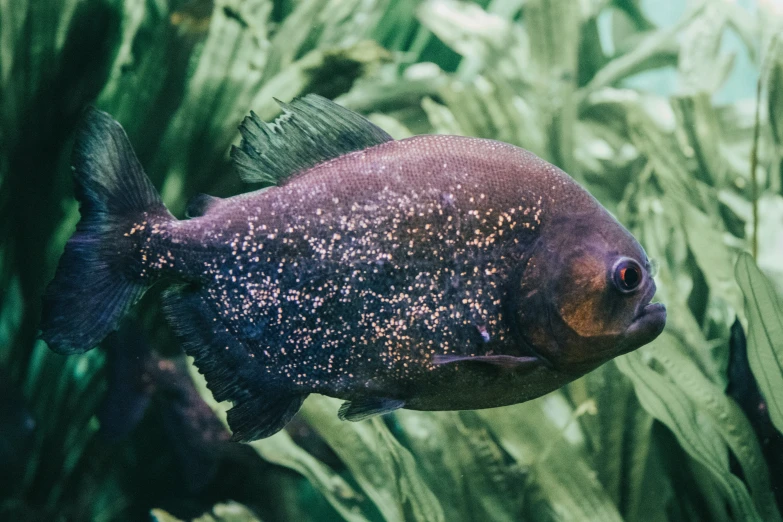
262 404
262 417
365 407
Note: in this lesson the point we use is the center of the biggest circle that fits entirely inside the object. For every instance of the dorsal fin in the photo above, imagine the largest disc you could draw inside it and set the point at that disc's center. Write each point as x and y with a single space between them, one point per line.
310 131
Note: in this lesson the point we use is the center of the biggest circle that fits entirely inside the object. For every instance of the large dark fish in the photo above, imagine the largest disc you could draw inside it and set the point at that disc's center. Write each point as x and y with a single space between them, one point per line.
431 273
137 379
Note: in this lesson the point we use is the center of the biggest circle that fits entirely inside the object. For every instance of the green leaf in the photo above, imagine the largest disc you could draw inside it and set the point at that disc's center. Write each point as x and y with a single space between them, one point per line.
554 30
441 118
470 474
280 449
619 439
706 241
775 90
699 122
705 421
770 208
159 515
701 67
765 335
566 485
655 49
227 512
465 27
385 470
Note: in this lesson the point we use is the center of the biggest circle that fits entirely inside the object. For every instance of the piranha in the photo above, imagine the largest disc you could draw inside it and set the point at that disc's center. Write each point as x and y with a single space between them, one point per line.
429 273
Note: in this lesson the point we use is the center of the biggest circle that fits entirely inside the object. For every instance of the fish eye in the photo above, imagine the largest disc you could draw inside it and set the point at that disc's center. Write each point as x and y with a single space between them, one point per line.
627 275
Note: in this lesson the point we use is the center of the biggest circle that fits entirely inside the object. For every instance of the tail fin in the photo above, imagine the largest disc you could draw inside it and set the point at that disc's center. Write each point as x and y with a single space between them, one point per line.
93 286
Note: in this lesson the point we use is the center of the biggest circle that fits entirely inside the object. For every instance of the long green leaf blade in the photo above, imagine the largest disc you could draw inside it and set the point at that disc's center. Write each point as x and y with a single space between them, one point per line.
765 334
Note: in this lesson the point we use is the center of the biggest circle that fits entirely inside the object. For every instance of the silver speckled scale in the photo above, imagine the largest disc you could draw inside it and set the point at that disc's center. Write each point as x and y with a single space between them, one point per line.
351 277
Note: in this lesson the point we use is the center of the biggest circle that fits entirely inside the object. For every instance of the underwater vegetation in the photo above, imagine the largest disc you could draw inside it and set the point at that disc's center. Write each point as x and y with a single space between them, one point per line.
686 428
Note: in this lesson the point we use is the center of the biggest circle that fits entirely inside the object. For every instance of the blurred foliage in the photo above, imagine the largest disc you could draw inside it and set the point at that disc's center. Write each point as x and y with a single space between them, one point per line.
229 512
651 436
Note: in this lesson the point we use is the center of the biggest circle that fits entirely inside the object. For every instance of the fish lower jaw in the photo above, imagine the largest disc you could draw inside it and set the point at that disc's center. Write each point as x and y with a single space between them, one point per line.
647 325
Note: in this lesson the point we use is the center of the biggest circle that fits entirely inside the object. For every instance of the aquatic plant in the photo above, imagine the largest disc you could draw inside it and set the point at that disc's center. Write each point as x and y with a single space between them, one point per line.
654 435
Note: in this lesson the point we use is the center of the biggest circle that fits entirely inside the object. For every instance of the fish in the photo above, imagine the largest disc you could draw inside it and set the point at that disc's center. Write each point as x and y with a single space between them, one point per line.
429 273
138 381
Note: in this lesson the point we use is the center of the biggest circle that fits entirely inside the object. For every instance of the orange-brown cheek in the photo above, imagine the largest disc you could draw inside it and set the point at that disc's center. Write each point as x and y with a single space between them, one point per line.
582 311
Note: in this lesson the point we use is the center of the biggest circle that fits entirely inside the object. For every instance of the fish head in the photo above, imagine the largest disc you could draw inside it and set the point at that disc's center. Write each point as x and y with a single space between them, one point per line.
590 286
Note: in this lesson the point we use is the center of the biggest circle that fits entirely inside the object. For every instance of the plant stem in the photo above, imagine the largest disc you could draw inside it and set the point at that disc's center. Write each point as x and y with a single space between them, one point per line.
753 166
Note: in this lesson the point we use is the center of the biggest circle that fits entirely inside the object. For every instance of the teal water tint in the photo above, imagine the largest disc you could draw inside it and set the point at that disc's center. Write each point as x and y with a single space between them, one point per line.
735 42
650 105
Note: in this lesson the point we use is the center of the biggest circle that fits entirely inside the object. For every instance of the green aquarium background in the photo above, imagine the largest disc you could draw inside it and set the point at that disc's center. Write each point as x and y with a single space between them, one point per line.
670 113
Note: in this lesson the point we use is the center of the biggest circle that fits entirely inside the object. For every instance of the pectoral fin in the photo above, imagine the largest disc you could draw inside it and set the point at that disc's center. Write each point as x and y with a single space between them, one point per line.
360 409
505 361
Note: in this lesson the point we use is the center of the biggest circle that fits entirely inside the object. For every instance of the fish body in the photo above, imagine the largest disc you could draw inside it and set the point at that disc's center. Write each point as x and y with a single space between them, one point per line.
431 273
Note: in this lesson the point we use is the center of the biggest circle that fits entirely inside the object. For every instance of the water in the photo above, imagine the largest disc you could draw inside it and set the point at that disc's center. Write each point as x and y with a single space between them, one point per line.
643 107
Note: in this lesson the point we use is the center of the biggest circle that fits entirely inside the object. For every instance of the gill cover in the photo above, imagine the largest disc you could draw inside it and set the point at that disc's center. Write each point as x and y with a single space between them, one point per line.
583 288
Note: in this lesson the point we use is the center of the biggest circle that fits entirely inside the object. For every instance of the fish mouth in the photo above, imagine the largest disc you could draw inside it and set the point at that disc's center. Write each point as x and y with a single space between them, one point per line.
646 326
